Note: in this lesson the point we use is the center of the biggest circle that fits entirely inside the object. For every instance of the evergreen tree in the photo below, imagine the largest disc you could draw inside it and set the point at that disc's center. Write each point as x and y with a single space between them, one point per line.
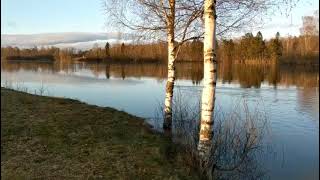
275 47
107 49
259 46
122 48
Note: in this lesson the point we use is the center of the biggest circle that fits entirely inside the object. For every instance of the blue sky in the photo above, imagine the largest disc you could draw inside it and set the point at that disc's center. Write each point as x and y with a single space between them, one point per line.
46 16
51 16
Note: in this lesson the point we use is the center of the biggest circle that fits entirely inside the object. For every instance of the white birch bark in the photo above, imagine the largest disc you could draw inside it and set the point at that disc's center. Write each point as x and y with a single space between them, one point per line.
171 68
209 79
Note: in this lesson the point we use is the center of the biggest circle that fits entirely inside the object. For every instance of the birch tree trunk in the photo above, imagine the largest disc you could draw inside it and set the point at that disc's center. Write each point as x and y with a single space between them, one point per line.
209 79
171 68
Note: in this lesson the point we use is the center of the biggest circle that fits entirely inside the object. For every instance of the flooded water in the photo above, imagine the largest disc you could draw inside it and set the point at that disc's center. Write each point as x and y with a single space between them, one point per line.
289 95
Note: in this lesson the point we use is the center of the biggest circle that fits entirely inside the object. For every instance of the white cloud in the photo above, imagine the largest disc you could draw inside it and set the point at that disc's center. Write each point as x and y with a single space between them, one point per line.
89 44
78 40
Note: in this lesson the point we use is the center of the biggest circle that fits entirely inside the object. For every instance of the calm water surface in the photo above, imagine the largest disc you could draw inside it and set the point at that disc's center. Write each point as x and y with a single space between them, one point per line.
288 95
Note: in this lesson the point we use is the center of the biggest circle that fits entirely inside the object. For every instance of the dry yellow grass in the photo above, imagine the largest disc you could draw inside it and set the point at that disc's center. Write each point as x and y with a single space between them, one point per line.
54 138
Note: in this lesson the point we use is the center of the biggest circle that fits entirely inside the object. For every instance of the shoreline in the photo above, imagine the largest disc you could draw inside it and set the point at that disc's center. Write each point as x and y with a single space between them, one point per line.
57 137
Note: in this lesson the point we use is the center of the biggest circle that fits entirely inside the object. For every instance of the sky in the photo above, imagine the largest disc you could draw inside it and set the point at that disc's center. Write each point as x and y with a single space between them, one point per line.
56 16
51 16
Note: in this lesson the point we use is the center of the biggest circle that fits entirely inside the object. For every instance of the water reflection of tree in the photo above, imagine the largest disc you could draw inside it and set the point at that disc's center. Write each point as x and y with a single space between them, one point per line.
246 75
308 101
123 72
107 70
249 75
96 70
304 76
237 147
226 72
274 75
196 73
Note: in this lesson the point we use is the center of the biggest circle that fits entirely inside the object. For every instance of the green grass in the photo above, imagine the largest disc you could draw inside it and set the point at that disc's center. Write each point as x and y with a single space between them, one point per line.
55 138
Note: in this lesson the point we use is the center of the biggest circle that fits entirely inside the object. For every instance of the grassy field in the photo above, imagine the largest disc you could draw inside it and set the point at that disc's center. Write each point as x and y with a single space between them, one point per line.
55 138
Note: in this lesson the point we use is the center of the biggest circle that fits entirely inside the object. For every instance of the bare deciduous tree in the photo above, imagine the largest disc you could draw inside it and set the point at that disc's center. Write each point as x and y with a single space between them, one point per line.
179 21
209 78
243 10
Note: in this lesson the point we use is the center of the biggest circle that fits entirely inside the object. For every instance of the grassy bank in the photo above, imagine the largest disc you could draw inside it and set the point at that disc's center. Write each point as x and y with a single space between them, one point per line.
44 137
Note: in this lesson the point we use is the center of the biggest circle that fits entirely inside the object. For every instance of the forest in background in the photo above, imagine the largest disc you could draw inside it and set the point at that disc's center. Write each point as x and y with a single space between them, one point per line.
252 48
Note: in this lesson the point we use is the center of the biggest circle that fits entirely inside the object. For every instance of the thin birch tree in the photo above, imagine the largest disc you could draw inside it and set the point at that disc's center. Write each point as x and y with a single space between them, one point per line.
244 11
177 20
209 78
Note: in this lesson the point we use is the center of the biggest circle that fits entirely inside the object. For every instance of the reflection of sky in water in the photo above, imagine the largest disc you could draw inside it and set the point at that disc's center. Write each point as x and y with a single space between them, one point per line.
293 112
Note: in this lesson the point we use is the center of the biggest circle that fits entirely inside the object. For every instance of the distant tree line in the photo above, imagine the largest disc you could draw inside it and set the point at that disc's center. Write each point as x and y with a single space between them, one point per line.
50 53
248 47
